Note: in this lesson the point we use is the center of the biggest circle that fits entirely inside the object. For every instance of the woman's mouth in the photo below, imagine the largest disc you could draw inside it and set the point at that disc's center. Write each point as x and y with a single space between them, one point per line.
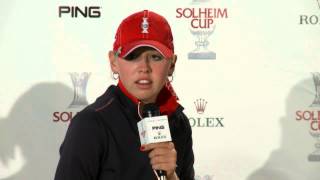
144 83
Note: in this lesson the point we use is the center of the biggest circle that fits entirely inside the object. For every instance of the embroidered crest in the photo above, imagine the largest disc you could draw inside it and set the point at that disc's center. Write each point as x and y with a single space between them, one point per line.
145 25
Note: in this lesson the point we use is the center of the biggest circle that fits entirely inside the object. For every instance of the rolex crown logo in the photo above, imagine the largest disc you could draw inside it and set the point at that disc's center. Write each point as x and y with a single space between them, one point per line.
200 105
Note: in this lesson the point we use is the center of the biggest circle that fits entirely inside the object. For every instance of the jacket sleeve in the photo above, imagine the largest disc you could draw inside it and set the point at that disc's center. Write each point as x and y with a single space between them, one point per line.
187 170
83 148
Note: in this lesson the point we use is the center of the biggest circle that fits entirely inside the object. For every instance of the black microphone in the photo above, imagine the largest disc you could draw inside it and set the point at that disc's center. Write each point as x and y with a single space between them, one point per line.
151 110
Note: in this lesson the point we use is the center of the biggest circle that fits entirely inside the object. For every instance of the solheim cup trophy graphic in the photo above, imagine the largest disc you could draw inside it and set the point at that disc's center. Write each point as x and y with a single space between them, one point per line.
316 80
315 156
202 43
79 81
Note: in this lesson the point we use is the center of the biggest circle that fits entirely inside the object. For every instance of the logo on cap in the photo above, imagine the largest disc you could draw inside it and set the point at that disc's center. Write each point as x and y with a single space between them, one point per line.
145 25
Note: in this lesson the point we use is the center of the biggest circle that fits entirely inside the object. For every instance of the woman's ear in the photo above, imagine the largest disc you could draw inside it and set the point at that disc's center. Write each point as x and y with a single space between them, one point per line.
113 59
172 65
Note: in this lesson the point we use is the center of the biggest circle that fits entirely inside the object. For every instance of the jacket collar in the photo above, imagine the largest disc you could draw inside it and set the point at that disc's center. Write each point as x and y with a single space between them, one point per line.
166 100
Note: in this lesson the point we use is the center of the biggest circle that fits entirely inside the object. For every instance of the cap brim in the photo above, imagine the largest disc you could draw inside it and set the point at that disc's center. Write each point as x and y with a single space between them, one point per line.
128 48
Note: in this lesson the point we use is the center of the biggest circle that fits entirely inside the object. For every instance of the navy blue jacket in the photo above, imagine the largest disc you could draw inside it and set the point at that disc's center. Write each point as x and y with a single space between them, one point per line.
102 143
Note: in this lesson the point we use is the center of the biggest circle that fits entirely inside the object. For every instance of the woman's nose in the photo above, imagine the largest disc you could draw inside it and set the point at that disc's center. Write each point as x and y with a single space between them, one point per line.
144 65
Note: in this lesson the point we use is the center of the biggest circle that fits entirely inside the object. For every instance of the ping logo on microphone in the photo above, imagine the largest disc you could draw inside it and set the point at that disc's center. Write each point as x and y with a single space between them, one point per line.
77 11
157 127
154 129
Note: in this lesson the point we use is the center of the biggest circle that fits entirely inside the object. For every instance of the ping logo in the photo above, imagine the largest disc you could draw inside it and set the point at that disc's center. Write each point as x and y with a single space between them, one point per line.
76 11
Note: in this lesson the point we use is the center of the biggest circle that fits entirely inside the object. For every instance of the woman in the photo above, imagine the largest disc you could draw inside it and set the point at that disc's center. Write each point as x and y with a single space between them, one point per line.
102 142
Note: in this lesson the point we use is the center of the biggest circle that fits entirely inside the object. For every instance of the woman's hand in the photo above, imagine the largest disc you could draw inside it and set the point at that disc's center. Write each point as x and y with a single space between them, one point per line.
163 156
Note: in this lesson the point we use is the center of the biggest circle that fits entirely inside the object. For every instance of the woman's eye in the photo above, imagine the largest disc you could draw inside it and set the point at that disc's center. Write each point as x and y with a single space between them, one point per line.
131 57
156 57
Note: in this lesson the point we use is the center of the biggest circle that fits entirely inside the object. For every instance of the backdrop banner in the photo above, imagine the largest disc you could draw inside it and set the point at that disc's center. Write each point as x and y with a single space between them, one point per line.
247 74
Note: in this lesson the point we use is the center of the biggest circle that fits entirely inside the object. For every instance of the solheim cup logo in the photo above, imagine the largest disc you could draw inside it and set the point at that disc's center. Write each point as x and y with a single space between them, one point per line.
202 43
315 156
79 81
200 105
144 25
312 116
202 26
316 80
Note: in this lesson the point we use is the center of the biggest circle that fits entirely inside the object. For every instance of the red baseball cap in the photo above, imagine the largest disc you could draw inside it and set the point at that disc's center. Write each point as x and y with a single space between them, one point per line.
144 28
